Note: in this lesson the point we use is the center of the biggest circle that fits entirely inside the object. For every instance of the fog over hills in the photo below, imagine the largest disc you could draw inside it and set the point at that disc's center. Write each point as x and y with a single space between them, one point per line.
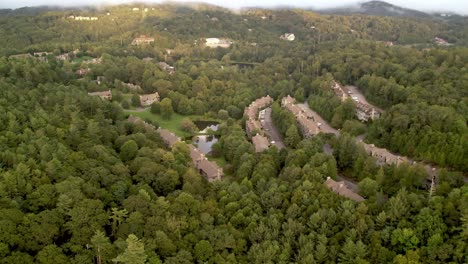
373 7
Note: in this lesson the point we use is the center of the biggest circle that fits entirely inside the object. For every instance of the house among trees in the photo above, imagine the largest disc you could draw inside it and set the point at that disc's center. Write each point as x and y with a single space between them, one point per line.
260 143
166 67
340 188
217 42
106 95
288 36
149 99
142 39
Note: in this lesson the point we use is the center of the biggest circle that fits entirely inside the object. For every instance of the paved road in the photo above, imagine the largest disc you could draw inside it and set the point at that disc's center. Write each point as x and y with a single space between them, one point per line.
355 92
325 127
271 131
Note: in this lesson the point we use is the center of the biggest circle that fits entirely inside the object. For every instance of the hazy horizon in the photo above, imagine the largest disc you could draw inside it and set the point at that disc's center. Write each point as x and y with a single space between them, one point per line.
422 5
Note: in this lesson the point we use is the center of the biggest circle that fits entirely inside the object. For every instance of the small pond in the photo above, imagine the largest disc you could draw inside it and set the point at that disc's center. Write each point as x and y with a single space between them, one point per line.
205 142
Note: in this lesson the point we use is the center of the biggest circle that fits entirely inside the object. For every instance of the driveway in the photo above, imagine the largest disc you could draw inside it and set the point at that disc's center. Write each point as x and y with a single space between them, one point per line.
271 131
353 91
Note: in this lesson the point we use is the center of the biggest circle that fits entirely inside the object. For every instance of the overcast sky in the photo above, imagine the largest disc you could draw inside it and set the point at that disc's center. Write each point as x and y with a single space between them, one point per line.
458 6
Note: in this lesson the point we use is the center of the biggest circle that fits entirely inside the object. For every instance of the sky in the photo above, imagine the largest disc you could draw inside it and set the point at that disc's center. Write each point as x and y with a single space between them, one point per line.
457 6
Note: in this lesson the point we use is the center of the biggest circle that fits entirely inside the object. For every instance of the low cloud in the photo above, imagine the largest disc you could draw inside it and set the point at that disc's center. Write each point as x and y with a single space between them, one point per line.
423 5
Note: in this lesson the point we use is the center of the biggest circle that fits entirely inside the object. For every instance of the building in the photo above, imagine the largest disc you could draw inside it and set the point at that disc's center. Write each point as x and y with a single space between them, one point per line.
383 156
84 18
107 95
168 137
339 91
135 9
142 39
260 143
148 99
217 42
166 67
340 188
309 127
364 112
253 127
288 36
252 110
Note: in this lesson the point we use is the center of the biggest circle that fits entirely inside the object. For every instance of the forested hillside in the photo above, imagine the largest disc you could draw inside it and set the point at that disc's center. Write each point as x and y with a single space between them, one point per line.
79 183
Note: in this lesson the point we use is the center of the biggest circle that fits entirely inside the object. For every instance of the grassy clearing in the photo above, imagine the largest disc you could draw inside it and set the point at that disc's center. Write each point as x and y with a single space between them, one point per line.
172 124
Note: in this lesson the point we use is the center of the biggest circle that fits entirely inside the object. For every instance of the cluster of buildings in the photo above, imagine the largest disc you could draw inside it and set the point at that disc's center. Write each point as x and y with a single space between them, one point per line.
288 36
83 18
142 39
306 121
364 111
210 170
253 126
218 42
340 188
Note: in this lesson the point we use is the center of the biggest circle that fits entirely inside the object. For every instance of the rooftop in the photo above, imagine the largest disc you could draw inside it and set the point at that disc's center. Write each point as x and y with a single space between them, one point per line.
340 188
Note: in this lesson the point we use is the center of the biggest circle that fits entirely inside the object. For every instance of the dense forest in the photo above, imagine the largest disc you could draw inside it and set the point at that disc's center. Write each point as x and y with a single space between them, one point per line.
79 183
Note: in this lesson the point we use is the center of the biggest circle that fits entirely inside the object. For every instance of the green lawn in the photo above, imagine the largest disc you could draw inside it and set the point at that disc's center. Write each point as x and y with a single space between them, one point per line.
172 124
